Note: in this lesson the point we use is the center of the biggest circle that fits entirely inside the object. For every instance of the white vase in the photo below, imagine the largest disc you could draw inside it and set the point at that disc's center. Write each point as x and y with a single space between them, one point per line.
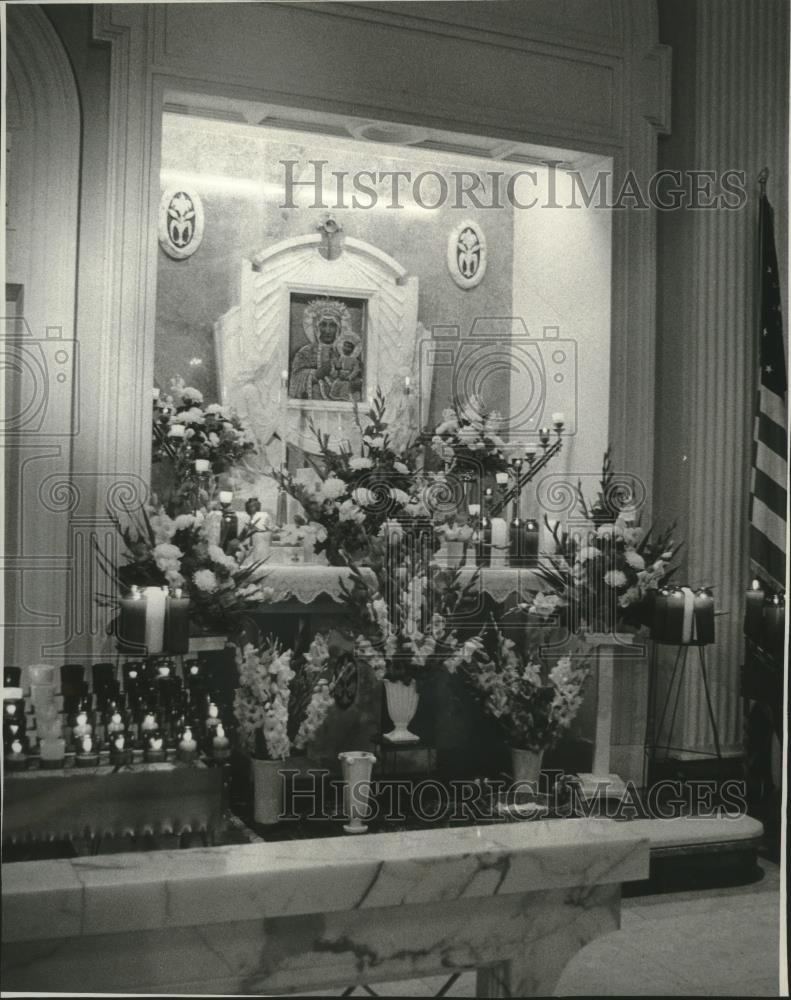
402 702
526 764
267 791
357 765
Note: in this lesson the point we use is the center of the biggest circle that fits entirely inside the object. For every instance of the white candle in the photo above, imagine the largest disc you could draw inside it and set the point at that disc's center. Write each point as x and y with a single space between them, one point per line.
474 509
155 392
501 477
202 465
176 431
284 377
156 598
559 417
187 742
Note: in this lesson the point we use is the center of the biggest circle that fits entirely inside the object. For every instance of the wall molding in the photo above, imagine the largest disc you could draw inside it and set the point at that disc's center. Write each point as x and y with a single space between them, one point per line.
227 57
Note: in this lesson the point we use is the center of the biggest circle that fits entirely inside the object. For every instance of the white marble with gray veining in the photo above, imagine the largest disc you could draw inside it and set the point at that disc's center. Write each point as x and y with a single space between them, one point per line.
129 892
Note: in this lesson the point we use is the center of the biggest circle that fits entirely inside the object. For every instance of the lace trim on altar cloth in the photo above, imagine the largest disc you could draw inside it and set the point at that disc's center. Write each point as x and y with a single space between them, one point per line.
306 583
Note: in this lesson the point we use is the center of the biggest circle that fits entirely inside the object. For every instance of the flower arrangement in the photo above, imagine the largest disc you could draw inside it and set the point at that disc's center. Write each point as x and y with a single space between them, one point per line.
358 494
186 430
468 440
533 705
606 574
401 625
180 552
282 699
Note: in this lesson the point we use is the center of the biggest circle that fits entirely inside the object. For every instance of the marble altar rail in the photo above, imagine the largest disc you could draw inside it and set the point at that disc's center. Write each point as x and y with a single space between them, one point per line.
514 902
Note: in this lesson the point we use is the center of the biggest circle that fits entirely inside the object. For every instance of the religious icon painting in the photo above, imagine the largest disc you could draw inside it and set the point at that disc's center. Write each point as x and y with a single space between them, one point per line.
467 254
327 348
180 228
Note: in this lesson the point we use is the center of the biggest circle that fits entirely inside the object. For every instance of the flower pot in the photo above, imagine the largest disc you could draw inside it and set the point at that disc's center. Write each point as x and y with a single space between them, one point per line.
402 702
357 766
267 791
526 764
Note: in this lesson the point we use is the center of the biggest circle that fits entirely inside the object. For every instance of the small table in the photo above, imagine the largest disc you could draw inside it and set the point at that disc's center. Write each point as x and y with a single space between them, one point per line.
389 749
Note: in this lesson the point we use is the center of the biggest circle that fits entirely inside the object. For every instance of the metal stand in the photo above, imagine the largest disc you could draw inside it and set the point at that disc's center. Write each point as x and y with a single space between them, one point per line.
676 678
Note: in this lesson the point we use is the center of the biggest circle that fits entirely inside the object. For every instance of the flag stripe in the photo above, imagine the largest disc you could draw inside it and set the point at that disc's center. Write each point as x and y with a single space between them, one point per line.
774 406
768 561
772 435
770 492
769 462
768 523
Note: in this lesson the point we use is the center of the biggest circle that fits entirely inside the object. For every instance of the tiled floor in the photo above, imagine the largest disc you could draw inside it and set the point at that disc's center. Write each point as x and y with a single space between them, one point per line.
722 942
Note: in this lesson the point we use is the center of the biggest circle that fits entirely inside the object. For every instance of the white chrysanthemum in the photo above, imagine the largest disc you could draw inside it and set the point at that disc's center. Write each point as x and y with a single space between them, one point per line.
364 497
400 496
332 488
188 392
609 531
217 555
205 580
588 552
634 559
349 511
401 468
615 578
184 521
360 463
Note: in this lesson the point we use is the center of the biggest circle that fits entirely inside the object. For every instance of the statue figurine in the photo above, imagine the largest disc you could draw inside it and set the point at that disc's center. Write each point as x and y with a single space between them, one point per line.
258 529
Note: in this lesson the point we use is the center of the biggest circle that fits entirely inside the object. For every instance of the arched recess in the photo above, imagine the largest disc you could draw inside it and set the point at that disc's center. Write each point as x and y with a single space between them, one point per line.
252 338
39 352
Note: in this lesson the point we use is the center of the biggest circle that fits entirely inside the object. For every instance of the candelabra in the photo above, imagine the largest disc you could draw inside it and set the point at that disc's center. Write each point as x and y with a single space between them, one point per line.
520 475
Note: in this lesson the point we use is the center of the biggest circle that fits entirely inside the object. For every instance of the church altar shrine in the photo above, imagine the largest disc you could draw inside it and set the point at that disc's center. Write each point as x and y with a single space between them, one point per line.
361 420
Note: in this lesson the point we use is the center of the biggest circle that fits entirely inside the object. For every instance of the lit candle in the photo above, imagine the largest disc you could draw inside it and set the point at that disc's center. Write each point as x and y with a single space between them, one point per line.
774 624
284 378
704 616
116 723
220 745
156 599
202 465
531 542
212 720
87 743
177 623
543 435
754 611
407 384
176 431
499 541
132 627
188 746
81 726
149 723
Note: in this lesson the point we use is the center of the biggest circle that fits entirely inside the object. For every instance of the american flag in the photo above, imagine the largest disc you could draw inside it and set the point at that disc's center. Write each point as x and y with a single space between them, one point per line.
768 491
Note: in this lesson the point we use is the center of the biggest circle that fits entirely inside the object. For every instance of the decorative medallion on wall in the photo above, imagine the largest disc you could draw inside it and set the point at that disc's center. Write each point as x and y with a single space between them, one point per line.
180 222
467 254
